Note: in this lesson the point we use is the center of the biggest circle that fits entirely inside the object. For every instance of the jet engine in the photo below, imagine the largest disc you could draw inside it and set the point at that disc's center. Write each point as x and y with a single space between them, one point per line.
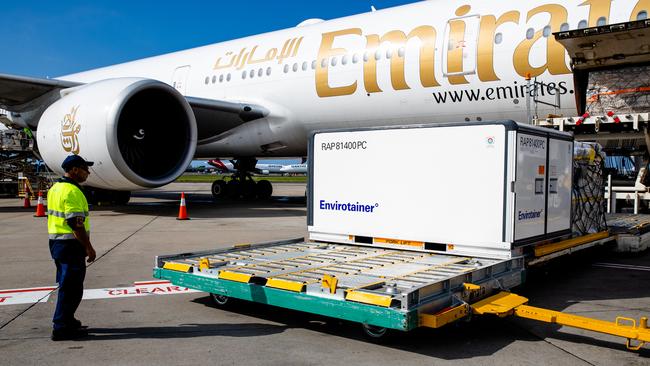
140 133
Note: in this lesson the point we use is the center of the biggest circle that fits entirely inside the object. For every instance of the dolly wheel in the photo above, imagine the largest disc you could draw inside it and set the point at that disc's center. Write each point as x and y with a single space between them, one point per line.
374 332
219 300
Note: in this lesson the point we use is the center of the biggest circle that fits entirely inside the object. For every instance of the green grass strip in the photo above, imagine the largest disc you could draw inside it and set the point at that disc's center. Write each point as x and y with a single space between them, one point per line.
209 178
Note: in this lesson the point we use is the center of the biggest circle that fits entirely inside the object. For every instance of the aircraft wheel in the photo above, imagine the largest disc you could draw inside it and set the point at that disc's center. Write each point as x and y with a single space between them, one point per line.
219 189
234 189
248 189
264 189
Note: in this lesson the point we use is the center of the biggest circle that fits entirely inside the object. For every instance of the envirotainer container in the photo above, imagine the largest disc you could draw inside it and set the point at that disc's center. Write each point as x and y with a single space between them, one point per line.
483 189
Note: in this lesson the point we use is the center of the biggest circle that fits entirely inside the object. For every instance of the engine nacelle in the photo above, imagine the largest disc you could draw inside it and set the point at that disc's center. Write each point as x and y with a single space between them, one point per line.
140 133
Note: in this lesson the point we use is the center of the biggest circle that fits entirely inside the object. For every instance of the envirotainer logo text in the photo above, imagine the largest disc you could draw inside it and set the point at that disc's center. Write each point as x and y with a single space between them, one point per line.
347 206
527 215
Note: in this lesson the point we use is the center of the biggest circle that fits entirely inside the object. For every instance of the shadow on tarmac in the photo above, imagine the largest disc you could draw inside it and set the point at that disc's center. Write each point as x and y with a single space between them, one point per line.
201 206
462 340
574 278
555 287
183 331
18 209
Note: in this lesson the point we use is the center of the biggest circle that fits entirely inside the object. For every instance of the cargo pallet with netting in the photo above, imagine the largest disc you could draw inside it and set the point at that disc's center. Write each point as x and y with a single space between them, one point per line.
612 86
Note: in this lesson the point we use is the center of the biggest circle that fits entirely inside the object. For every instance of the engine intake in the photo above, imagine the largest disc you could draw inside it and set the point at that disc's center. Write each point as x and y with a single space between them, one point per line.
140 132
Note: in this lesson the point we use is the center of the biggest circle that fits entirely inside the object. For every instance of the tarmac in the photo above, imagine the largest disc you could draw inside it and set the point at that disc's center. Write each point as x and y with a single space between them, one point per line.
132 326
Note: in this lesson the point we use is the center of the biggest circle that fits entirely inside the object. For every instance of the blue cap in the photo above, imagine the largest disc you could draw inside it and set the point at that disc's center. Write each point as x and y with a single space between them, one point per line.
75 161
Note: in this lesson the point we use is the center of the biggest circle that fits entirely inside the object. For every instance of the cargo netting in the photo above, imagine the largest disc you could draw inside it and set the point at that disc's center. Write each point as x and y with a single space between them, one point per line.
623 90
589 205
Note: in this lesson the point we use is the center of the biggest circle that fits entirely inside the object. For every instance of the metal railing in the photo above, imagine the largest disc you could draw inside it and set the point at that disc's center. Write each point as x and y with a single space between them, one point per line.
535 91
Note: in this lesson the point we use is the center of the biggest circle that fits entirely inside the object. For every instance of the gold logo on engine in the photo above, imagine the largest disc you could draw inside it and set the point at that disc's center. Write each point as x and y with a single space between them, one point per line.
70 132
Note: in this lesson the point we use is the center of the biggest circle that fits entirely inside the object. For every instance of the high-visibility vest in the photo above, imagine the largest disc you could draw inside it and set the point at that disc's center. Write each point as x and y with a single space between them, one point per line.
64 201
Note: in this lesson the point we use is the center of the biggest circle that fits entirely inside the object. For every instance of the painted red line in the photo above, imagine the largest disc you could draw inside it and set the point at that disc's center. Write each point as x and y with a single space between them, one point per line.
28 290
150 283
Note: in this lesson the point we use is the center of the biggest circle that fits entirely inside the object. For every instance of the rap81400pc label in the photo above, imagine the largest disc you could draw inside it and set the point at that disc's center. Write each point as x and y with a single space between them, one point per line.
344 145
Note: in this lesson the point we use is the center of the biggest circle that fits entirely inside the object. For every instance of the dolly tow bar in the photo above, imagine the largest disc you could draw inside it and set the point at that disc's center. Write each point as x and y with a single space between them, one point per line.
505 304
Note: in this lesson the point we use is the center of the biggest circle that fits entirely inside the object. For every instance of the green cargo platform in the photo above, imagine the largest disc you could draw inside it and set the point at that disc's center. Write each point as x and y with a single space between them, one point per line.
388 288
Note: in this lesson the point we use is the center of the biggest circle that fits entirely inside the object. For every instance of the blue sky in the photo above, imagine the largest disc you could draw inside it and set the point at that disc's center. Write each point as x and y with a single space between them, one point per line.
53 38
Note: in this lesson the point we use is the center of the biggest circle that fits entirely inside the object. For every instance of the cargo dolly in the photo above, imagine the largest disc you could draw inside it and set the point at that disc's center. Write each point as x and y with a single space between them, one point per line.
399 259
380 288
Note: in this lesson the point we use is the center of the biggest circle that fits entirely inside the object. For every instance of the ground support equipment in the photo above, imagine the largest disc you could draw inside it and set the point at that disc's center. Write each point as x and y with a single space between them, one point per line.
377 287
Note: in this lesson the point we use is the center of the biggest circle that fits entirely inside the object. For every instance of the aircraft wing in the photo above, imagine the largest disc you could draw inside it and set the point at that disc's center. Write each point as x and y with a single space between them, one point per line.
20 93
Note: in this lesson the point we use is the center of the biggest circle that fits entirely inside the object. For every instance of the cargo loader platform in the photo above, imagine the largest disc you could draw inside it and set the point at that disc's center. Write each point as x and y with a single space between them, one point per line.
632 232
374 286
380 288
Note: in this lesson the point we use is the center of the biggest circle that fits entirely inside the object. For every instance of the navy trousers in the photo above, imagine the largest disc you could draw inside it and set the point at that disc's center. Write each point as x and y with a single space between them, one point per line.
69 257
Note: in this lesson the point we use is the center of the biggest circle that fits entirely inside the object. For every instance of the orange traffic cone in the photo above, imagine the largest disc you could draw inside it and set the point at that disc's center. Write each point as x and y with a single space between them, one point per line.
182 211
40 207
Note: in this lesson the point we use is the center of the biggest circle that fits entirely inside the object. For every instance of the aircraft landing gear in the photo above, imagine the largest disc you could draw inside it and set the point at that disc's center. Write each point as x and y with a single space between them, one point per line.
219 188
241 184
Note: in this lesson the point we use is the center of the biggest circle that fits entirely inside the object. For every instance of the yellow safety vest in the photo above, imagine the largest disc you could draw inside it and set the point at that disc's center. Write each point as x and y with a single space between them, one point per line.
65 200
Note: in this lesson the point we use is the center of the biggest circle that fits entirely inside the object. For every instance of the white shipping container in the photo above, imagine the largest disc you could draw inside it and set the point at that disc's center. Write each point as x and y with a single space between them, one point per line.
481 189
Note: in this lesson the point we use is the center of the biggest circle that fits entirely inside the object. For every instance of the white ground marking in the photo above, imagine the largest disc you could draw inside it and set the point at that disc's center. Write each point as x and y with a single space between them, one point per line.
622 266
140 288
148 288
25 295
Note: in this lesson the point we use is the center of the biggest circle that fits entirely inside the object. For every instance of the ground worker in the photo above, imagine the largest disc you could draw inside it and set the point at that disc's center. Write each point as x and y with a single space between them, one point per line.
69 229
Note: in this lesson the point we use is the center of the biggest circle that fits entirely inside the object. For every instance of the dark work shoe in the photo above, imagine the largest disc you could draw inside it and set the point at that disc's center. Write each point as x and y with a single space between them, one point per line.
66 334
77 324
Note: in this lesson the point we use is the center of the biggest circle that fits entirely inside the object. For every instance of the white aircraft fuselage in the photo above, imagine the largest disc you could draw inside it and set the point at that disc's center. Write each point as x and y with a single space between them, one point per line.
294 169
427 62
228 167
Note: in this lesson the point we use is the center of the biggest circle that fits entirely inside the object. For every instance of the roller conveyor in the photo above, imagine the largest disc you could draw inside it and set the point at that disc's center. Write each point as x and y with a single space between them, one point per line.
397 277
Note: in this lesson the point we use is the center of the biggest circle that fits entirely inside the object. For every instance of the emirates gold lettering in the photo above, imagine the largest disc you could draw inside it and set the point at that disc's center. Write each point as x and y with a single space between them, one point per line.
427 36
323 88
244 58
597 9
397 41
489 26
555 62
642 5
70 132
370 64
455 48
555 53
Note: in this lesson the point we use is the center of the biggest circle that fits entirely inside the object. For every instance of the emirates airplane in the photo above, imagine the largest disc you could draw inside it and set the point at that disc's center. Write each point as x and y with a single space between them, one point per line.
142 122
